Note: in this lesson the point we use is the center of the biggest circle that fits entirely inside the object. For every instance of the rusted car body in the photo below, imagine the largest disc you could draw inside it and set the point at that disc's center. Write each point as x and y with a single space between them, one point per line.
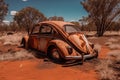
60 41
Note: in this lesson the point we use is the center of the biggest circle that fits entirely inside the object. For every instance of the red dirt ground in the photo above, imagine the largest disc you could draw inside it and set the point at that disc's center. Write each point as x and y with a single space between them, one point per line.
38 69
34 70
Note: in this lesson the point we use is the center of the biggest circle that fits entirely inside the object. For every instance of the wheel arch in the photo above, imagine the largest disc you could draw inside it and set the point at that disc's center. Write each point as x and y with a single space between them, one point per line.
61 45
24 41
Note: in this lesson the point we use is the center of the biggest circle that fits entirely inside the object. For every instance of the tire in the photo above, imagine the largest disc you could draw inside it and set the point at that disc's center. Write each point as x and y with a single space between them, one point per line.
54 55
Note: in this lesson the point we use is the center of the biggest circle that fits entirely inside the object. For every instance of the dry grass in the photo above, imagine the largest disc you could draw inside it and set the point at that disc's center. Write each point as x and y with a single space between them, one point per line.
105 72
113 43
18 55
112 33
115 54
113 40
114 46
108 43
13 39
97 47
107 33
108 68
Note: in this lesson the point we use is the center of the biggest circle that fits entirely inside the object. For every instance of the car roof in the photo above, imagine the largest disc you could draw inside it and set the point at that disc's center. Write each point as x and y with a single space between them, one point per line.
58 23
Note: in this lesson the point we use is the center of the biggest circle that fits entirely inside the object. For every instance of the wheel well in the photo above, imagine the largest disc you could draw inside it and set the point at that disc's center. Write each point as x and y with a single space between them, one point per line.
22 41
61 58
49 48
54 46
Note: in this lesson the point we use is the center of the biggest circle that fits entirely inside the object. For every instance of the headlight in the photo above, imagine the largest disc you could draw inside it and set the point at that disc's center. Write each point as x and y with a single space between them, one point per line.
70 50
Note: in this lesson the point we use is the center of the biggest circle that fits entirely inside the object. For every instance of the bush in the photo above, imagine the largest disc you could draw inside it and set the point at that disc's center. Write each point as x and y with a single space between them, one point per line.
19 55
109 68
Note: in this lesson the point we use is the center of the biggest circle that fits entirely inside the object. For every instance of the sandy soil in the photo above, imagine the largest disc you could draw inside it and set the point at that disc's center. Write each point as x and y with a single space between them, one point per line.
39 69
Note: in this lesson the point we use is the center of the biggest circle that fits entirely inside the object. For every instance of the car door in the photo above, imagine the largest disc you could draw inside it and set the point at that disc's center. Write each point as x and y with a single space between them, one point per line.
33 39
46 34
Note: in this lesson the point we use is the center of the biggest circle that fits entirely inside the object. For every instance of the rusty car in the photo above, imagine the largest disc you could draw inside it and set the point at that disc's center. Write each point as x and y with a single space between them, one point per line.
60 41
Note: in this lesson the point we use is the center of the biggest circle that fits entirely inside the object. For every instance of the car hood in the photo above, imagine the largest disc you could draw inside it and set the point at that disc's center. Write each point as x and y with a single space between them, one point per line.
81 42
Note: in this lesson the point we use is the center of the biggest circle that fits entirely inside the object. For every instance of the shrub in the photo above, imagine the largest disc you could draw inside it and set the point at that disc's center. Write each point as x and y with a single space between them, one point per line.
109 68
19 55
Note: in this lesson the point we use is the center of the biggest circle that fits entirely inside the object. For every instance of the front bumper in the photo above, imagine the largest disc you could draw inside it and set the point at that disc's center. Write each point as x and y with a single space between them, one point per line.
89 56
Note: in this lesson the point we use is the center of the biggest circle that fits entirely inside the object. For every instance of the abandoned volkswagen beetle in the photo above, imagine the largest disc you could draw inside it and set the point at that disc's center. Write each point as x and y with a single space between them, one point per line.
60 41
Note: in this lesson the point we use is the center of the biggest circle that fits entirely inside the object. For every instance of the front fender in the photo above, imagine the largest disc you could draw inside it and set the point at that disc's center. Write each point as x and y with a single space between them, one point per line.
61 45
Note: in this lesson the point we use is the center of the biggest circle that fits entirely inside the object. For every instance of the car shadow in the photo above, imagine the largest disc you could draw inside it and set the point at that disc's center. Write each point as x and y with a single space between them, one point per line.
36 53
69 63
39 55
72 63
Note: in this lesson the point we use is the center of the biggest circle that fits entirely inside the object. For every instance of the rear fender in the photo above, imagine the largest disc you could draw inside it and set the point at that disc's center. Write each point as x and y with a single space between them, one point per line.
25 41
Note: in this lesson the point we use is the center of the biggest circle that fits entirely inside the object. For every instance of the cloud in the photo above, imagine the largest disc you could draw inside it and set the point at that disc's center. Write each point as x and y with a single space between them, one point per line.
13 13
6 21
24 0
72 20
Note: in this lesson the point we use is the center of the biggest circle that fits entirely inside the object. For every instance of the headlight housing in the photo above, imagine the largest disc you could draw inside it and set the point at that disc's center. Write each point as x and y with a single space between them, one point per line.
70 49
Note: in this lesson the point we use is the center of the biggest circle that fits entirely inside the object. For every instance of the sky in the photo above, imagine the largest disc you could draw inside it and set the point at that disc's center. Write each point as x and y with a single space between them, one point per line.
71 10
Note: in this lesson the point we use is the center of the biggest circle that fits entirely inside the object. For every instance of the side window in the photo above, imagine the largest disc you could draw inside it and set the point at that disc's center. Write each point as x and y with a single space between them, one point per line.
36 30
45 29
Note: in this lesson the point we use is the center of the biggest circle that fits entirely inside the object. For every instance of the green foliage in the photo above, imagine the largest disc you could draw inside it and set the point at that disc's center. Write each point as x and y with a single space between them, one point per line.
77 24
56 18
11 27
28 17
14 27
3 10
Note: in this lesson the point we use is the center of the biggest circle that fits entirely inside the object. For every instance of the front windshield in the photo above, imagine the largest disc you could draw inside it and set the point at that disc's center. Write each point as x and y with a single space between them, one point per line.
71 28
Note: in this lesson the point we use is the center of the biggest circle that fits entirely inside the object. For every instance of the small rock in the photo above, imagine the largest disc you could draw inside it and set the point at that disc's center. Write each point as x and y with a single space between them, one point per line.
21 65
46 59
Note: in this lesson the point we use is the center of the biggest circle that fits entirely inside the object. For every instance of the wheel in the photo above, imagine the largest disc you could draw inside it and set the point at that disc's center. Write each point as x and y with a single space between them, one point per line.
54 55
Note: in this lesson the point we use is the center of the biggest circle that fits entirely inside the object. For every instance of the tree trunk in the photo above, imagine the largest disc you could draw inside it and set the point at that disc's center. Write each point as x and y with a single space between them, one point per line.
100 31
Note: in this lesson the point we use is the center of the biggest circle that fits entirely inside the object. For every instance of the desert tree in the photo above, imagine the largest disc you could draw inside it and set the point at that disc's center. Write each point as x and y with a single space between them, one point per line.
56 18
102 13
14 26
3 10
28 17
83 22
76 23
117 26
